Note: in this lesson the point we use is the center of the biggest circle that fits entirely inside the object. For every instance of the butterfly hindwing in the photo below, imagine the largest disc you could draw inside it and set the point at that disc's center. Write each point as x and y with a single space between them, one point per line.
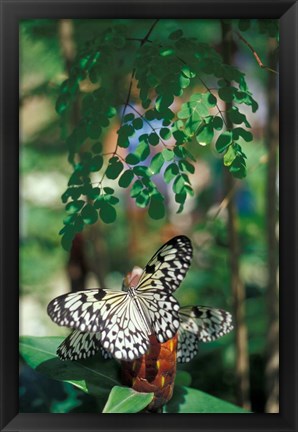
79 345
200 323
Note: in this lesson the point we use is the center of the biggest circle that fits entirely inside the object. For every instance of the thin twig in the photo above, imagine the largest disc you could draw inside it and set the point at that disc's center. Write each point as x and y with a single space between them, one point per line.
255 54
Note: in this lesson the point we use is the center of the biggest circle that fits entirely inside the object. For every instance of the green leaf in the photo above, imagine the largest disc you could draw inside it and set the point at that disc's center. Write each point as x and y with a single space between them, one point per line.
153 139
156 207
128 117
170 172
143 198
229 156
126 178
186 166
126 400
166 52
240 132
95 376
205 134
168 154
138 123
114 168
96 163
223 141
165 133
217 123
238 167
93 130
89 214
183 378
178 184
107 213
136 188
142 150
97 147
67 237
132 159
237 117
74 206
188 400
226 93
156 163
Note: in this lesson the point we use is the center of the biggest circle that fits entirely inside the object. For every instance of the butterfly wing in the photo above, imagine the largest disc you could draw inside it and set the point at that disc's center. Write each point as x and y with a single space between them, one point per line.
79 345
161 276
112 315
168 266
200 323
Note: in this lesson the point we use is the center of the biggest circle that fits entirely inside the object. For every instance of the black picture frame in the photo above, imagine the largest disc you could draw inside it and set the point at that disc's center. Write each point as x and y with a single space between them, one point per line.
11 12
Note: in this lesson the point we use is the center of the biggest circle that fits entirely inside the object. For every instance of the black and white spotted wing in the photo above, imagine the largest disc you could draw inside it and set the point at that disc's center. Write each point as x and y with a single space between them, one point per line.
124 320
80 345
200 324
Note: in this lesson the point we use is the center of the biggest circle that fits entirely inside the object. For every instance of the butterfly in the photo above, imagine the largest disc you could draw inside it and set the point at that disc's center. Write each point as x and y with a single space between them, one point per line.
197 324
200 324
120 322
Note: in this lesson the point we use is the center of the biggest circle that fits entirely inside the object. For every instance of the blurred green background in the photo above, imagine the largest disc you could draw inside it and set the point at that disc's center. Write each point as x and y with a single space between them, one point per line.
110 251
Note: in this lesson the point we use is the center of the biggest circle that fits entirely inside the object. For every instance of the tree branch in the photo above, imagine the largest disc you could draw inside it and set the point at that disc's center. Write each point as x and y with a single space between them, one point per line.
255 54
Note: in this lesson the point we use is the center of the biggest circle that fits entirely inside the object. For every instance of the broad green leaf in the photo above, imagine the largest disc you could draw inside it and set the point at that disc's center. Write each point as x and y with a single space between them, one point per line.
142 150
107 213
238 167
96 163
240 132
168 154
94 130
156 207
132 159
95 376
126 400
89 214
237 117
153 139
114 168
136 188
226 93
97 147
67 237
138 123
143 198
178 184
74 206
126 178
156 163
183 378
128 117
217 123
205 134
170 172
223 141
186 166
165 133
229 156
188 400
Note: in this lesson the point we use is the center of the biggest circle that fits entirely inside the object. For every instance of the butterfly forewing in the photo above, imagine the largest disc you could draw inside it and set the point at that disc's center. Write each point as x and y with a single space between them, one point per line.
168 266
200 323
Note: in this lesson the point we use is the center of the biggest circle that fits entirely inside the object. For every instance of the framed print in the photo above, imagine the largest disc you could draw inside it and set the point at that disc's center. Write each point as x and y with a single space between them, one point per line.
149 215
